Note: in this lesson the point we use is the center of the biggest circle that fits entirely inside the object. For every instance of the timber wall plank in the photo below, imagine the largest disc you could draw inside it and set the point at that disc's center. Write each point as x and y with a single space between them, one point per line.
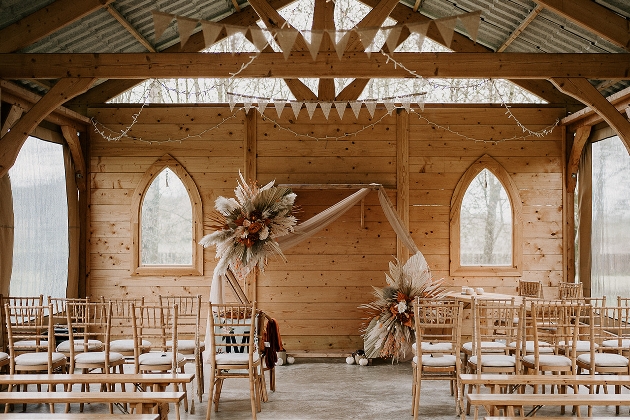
316 295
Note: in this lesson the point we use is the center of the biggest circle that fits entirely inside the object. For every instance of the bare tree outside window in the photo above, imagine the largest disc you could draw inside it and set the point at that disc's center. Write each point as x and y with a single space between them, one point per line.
166 219
486 223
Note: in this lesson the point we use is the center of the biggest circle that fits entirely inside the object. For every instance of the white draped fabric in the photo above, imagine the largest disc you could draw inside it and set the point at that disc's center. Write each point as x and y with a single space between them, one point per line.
318 222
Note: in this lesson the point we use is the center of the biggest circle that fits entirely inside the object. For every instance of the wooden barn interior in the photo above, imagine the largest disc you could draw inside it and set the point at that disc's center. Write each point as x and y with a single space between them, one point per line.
62 62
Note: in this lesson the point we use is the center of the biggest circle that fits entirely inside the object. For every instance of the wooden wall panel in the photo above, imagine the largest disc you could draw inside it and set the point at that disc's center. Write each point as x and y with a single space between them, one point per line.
316 295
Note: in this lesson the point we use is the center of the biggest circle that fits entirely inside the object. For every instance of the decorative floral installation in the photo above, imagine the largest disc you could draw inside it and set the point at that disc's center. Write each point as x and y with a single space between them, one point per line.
390 332
246 226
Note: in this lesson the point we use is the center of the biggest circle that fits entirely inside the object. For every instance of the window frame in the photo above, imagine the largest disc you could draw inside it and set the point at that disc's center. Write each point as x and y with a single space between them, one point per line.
196 268
456 268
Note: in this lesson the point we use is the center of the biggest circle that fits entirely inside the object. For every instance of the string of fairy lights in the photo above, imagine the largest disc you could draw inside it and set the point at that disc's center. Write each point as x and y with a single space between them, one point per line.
405 102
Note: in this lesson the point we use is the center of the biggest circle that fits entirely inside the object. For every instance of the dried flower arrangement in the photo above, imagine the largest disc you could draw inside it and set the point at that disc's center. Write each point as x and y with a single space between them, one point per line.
246 226
390 332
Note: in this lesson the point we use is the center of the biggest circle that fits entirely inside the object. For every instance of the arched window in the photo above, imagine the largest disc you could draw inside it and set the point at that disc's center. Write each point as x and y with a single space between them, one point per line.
167 222
486 222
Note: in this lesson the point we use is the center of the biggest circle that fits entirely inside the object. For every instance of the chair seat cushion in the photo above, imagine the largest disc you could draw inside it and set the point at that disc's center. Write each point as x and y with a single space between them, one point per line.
186 345
625 343
441 361
93 345
35 359
549 360
97 357
543 346
29 344
126 346
3 356
581 346
234 358
494 360
487 346
159 358
604 359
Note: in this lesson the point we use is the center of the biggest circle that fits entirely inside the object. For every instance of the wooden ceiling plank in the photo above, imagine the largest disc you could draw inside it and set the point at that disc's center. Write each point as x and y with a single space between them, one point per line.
74 145
46 21
112 88
524 24
581 136
11 143
12 117
357 65
130 28
593 17
584 91
587 116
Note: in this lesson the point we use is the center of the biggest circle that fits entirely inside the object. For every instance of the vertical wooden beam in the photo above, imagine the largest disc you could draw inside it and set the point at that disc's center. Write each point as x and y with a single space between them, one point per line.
568 255
251 152
402 176
74 144
573 161
324 18
85 234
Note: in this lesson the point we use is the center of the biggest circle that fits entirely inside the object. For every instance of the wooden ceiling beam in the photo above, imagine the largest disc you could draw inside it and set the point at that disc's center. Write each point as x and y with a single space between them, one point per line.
358 65
589 117
586 93
74 145
324 18
46 21
593 17
273 20
12 117
11 142
524 24
130 28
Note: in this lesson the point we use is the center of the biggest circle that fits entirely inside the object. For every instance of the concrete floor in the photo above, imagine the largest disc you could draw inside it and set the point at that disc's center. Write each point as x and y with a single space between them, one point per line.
327 389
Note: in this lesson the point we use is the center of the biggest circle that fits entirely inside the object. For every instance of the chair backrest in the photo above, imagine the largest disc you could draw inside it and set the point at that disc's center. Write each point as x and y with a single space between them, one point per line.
156 324
190 323
623 301
561 324
530 288
59 304
615 321
14 301
88 323
568 290
438 322
121 316
28 330
232 329
496 321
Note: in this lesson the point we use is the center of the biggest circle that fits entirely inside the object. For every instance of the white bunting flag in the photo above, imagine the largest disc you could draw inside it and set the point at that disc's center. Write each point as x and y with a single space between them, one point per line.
296 106
286 39
185 26
325 106
420 29
279 105
389 105
367 38
310 107
371 107
471 22
392 38
262 104
247 104
341 40
406 103
446 26
211 31
160 23
232 31
231 101
341 108
420 101
258 38
356 108
314 41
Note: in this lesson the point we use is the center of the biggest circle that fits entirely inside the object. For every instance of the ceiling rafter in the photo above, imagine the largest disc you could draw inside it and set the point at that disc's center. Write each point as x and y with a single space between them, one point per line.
324 18
130 28
524 24
46 21
593 17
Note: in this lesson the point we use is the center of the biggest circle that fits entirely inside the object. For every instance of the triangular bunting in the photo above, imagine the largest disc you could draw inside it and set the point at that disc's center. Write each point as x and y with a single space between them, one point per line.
446 26
262 104
367 37
389 105
258 38
232 31
211 31
356 108
392 38
406 103
185 26
279 105
314 42
286 38
471 22
420 101
419 29
325 106
231 101
341 108
247 104
371 107
296 106
161 21
310 107
341 40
